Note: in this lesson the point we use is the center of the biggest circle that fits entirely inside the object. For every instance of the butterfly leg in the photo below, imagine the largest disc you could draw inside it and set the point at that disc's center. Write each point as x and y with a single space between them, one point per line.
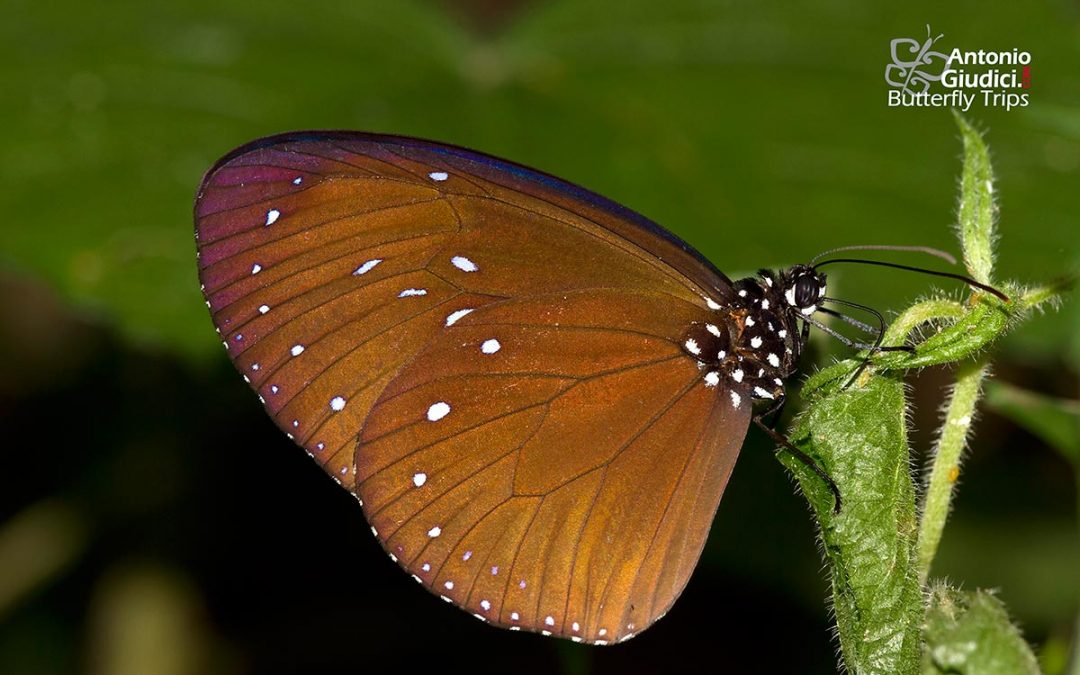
779 438
772 415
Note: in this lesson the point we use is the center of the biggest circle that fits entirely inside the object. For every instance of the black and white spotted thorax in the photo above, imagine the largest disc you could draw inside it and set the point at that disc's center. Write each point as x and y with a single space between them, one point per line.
756 339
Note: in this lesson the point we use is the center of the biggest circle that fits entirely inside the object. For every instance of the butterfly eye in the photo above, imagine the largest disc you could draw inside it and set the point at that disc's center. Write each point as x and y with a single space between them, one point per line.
805 291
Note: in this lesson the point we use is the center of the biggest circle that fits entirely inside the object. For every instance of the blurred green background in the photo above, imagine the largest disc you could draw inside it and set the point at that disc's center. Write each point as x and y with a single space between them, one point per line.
154 520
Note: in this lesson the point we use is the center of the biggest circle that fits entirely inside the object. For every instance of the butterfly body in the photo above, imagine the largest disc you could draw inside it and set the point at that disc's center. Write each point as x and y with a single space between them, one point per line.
536 394
754 341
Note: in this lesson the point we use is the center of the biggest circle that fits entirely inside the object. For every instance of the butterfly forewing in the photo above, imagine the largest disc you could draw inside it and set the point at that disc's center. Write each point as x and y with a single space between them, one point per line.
489 358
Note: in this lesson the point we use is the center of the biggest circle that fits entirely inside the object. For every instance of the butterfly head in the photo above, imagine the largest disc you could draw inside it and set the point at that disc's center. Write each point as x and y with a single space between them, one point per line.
803 288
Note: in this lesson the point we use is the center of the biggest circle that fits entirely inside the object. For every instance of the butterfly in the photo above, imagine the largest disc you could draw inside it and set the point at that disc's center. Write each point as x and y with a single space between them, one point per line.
536 394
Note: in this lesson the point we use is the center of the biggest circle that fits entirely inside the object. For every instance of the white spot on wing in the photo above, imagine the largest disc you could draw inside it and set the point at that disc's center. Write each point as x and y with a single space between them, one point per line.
737 375
419 478
454 316
449 585
490 346
438 175
411 292
761 393
712 329
735 400
750 321
773 360
692 346
367 267
297 350
755 342
712 304
485 605
549 620
297 180
337 403
712 379
256 268
271 216
434 532
437 411
263 309
463 264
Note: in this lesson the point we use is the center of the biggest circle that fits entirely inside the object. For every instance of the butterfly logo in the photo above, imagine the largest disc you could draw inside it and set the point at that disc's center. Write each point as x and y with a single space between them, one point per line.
909 73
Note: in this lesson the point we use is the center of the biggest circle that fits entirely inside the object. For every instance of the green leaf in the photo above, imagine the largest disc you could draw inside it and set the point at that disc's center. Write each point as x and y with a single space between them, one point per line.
1054 420
857 435
970 632
977 207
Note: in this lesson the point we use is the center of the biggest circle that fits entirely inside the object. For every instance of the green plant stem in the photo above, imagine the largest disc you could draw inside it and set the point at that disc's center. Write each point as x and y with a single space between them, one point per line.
945 468
914 316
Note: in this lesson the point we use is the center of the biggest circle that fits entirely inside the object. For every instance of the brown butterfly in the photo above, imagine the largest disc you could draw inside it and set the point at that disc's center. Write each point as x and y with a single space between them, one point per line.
536 394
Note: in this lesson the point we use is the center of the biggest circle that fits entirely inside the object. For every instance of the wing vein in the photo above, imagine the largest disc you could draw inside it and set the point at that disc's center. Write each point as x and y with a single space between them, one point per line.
637 251
653 420
465 430
667 506
310 228
410 317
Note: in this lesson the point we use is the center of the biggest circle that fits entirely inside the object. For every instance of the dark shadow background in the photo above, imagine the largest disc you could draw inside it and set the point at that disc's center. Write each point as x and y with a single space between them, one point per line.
155 521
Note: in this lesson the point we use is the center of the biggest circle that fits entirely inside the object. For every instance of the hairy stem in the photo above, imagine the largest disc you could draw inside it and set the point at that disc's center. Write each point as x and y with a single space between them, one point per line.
945 468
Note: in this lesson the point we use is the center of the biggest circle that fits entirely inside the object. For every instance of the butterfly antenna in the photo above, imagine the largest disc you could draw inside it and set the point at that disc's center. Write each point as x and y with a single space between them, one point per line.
936 252
948 275
879 333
